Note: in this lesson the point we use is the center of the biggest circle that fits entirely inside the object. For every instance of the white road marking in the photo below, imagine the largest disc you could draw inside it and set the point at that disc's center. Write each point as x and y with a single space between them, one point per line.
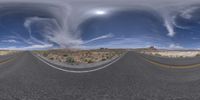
73 71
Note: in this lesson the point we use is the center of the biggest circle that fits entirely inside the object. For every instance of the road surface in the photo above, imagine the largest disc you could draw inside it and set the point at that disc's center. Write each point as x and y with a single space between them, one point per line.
133 77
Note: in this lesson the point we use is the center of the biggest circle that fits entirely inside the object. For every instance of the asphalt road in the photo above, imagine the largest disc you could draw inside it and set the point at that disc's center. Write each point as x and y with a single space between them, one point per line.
174 61
25 77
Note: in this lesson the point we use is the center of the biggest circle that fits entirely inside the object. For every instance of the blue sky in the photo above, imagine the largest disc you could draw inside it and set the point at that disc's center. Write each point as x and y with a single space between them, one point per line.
28 29
143 28
125 29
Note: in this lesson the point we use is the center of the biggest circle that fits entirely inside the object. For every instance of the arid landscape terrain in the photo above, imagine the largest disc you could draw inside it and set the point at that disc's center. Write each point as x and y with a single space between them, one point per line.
75 57
32 77
6 52
170 53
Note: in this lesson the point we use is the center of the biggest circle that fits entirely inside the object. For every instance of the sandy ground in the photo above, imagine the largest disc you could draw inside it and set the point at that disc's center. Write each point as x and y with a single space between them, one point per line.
6 52
80 57
174 54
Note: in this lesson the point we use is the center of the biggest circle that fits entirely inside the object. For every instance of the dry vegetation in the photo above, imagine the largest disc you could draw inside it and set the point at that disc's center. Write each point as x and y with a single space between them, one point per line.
80 56
175 54
6 52
170 53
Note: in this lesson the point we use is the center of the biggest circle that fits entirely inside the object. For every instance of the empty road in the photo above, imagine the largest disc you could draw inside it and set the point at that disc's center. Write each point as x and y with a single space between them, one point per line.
133 77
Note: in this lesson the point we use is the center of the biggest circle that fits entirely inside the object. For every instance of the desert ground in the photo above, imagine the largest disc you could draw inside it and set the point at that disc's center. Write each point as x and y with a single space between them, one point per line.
170 53
75 57
174 54
6 52
134 76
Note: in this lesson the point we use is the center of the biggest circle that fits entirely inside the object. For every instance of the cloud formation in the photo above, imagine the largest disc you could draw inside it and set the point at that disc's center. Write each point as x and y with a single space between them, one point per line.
187 14
175 46
30 47
110 35
170 28
9 41
52 32
61 27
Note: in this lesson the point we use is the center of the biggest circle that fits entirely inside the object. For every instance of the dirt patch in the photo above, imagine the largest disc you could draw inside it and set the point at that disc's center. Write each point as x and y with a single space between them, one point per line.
75 57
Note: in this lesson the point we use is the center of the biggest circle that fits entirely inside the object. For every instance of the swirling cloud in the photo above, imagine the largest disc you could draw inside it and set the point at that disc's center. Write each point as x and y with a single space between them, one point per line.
56 23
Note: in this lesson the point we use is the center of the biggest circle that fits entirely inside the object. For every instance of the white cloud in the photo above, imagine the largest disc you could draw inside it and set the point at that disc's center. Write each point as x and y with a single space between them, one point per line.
170 27
176 25
52 32
187 14
31 47
66 38
27 24
36 46
131 42
110 35
175 46
9 41
62 39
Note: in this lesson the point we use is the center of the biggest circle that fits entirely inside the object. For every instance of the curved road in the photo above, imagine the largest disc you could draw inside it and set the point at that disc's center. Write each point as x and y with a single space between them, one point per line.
25 77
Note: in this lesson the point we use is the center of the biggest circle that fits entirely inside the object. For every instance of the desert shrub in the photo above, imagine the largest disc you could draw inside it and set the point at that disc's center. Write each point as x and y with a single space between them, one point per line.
90 61
157 54
197 54
103 59
45 54
84 60
70 60
181 57
51 58
65 55
108 57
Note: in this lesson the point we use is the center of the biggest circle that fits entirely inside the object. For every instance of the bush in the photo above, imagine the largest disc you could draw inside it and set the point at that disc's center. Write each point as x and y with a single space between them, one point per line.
90 61
197 54
51 58
65 55
103 59
157 54
45 54
181 57
70 60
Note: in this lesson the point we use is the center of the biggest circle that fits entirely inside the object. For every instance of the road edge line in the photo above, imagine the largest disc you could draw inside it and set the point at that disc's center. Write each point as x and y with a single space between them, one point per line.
72 71
172 66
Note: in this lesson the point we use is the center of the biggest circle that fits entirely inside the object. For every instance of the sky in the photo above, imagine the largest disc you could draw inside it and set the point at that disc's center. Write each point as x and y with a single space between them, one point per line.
92 24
